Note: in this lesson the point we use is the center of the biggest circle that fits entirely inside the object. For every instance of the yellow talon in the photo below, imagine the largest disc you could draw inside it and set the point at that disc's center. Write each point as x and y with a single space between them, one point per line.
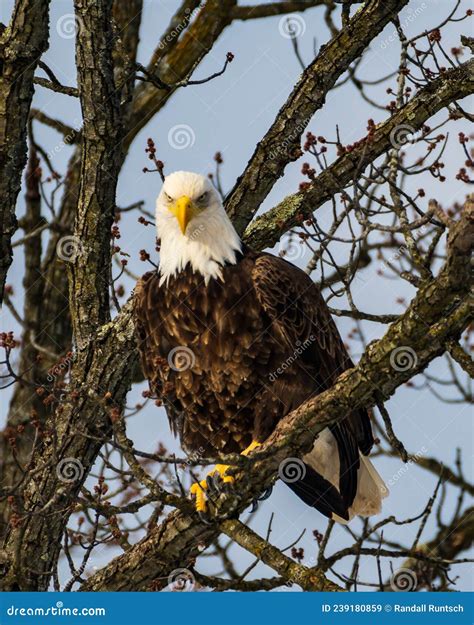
198 488
222 469
253 445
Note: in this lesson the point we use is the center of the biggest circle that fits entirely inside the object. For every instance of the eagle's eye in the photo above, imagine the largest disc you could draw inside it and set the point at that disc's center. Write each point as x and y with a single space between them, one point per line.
168 198
202 198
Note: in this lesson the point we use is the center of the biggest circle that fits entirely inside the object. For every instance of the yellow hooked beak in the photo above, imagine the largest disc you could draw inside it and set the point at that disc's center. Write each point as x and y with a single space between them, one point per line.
183 209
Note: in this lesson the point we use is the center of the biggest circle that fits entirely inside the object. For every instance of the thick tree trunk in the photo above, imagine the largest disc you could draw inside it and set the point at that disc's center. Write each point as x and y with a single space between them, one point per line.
21 45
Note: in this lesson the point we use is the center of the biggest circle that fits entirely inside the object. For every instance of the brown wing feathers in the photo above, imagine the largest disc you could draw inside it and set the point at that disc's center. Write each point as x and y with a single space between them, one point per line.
298 310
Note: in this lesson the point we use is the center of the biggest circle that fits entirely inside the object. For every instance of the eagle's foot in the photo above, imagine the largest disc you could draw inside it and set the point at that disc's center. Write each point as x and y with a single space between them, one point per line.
216 481
197 489
212 482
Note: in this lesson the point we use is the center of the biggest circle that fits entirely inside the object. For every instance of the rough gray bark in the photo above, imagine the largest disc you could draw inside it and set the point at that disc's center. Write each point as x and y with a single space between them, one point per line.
52 328
101 161
21 45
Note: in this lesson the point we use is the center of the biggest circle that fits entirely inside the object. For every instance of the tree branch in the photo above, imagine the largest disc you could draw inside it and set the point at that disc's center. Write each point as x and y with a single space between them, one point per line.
70 134
21 46
47 499
180 61
101 161
454 84
56 86
89 287
54 330
281 144
275 8
460 356
310 579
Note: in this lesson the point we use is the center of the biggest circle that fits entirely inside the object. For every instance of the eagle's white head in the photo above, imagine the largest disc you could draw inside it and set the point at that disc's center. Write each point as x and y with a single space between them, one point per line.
193 227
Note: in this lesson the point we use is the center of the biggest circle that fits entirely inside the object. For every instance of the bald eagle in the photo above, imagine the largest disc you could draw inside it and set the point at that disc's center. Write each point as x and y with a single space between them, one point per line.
232 340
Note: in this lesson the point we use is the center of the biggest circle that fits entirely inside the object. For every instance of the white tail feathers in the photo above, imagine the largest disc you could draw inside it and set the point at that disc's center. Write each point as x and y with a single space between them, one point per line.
324 458
371 490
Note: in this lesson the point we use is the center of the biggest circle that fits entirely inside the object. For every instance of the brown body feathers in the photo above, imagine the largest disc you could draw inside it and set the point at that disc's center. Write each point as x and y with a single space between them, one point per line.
231 358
